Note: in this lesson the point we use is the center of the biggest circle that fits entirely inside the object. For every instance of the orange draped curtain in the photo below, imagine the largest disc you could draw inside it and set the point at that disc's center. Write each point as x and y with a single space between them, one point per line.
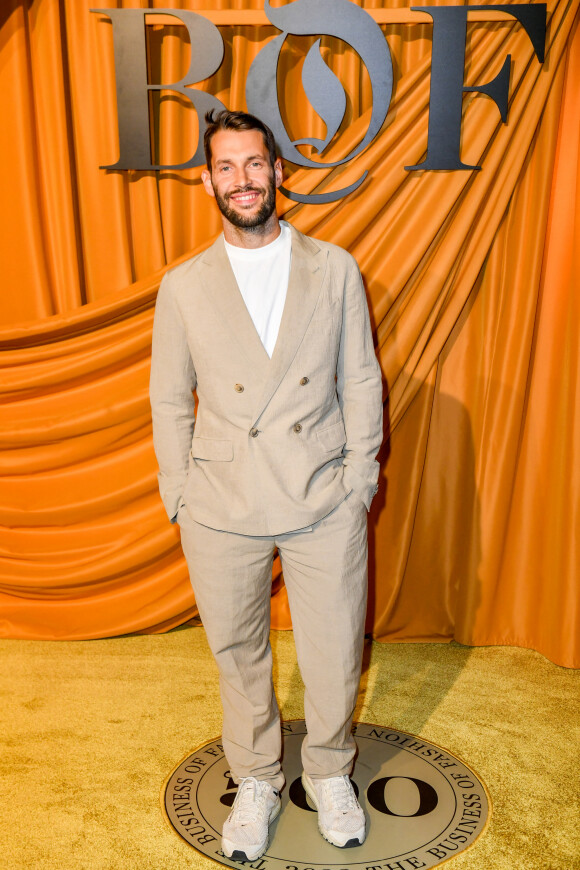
473 285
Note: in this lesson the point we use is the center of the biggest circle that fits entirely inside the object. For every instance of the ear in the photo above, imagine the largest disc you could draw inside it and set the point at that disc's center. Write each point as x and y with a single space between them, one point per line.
278 172
206 179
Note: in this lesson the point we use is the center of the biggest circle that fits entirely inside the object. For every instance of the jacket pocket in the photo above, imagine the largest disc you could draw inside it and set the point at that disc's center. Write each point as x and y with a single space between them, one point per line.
332 438
210 448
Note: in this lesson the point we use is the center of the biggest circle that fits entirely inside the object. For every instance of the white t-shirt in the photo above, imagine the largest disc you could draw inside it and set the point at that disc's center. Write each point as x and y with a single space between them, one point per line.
262 276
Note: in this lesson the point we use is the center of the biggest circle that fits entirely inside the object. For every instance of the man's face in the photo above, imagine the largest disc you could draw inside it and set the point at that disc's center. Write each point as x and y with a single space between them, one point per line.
242 179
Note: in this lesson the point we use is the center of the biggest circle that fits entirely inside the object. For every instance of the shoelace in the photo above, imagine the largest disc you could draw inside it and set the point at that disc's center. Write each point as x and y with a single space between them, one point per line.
341 794
246 808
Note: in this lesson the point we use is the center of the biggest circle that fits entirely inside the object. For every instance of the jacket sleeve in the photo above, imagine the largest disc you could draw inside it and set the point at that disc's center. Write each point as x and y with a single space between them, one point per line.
171 388
360 392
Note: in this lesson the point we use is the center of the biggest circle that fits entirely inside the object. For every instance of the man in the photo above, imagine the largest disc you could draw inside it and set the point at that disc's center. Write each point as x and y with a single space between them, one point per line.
271 328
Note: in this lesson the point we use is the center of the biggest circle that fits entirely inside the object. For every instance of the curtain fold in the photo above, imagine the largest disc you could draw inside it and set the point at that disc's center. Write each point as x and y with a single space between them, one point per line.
472 280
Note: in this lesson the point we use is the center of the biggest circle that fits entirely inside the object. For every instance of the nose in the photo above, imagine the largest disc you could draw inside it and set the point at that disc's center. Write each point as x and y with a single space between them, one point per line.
241 177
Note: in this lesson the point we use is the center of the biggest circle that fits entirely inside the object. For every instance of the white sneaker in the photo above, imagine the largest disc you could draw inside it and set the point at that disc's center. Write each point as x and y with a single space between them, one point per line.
341 820
245 831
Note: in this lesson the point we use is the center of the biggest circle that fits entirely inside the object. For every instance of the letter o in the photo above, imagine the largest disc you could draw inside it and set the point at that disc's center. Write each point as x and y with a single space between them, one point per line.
428 798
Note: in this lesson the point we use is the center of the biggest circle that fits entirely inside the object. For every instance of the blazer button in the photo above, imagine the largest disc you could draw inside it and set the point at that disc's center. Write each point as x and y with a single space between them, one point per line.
254 433
304 381
297 427
239 388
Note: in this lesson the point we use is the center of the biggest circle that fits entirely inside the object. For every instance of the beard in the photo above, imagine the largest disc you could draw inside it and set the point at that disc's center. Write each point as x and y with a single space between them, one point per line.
252 221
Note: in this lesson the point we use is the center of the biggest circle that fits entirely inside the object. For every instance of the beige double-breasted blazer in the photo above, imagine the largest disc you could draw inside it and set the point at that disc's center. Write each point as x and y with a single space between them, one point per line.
279 442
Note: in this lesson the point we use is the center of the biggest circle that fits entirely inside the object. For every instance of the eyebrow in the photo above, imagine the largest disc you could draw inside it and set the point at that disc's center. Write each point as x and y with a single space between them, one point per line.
248 159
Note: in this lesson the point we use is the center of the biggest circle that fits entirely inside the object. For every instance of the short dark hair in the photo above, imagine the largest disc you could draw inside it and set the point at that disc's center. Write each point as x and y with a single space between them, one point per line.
226 120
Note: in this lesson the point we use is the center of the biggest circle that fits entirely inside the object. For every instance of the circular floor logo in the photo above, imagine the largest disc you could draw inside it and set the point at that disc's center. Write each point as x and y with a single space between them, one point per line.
423 805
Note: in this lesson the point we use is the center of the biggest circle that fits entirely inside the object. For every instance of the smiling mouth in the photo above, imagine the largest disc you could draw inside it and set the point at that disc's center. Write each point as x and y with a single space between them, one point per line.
244 197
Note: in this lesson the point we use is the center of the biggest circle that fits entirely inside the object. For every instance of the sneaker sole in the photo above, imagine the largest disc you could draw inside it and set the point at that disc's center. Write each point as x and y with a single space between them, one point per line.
350 844
238 854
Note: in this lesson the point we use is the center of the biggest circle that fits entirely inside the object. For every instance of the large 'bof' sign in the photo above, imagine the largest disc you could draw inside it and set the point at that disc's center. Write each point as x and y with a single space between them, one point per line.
341 19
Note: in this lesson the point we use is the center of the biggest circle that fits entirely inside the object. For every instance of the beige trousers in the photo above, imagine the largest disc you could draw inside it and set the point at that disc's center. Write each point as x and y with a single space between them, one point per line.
325 572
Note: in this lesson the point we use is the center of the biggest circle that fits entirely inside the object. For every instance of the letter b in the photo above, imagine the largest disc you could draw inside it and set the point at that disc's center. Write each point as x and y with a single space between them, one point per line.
207 52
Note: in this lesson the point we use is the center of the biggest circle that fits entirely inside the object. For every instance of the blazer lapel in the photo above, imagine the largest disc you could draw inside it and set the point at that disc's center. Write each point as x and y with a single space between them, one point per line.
222 290
307 270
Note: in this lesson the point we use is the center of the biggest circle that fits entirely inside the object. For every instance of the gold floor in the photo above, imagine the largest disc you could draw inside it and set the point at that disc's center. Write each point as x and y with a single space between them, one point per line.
91 729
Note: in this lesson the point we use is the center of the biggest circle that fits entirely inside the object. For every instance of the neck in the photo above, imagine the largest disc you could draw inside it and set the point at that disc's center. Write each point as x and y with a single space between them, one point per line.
252 237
